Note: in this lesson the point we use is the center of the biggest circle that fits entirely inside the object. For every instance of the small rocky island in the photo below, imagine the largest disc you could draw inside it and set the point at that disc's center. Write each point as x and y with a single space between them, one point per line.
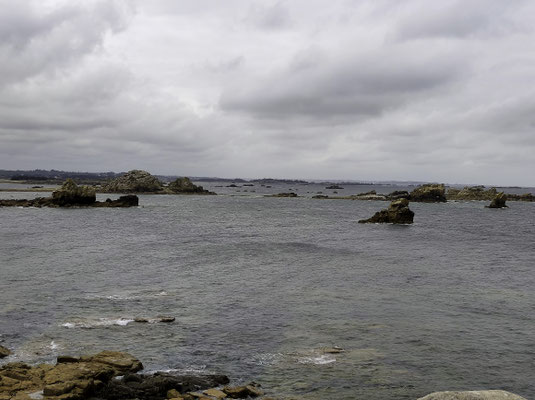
397 213
72 195
498 201
138 181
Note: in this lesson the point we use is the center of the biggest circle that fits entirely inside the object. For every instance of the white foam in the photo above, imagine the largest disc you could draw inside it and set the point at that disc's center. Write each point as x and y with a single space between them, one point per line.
99 322
317 360
53 345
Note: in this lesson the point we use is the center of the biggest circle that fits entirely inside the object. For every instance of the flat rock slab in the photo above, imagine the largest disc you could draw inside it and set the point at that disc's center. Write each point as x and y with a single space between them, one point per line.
473 395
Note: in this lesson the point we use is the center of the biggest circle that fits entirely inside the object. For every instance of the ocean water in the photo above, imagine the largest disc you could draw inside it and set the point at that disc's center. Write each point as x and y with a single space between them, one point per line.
262 288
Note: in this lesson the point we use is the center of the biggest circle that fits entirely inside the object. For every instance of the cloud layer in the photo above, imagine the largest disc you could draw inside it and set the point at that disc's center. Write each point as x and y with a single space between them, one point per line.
372 90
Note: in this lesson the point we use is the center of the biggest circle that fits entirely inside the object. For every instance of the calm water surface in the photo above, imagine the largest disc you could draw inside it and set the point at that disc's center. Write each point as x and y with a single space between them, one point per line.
261 286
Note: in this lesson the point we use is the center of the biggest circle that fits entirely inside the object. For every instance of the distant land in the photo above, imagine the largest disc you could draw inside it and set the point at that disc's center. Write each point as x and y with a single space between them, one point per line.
56 177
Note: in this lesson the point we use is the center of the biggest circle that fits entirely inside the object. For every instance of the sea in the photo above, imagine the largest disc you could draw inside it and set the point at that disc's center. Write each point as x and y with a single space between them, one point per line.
291 293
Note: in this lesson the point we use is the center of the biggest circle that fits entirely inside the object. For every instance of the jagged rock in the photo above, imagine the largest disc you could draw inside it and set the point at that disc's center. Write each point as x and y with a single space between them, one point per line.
129 200
398 194
70 379
4 352
157 386
471 193
135 181
185 186
290 194
429 193
242 392
498 201
397 213
70 194
473 395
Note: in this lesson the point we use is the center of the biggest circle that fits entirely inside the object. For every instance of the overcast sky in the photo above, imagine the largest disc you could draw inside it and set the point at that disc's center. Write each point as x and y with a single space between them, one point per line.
340 89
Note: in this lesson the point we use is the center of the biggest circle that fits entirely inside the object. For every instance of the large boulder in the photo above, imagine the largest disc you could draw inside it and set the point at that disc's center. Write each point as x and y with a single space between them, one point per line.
473 395
135 181
397 213
498 201
70 194
429 193
186 186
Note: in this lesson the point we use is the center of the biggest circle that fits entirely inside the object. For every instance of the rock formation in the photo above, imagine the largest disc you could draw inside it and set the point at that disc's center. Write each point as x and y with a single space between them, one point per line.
336 187
135 181
4 352
185 186
429 193
473 395
289 194
498 201
72 195
471 193
397 213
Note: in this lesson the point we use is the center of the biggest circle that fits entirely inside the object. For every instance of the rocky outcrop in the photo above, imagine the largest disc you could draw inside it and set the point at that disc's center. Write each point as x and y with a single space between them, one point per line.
473 395
186 186
74 378
290 194
429 193
335 187
4 352
498 201
520 197
135 181
471 193
72 195
397 213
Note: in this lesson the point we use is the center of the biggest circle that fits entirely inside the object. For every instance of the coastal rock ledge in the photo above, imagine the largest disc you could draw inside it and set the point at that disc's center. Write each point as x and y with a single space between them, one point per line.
473 395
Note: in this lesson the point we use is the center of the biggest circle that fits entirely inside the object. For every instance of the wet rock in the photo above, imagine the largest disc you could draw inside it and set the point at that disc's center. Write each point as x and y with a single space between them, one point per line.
397 213
216 393
289 194
130 200
398 194
471 193
242 392
70 194
67 359
498 201
4 352
473 395
429 193
336 187
185 186
167 319
320 196
135 181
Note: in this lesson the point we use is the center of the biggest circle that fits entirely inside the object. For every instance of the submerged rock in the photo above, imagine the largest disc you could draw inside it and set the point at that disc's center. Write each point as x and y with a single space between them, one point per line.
397 213
498 201
473 395
135 181
337 187
289 194
4 352
186 186
429 193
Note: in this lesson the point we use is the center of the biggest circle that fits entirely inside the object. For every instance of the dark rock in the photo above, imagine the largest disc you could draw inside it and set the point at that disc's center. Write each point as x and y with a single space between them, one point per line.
498 201
429 193
70 194
289 194
4 352
67 359
398 194
129 200
320 196
135 181
334 187
397 213
185 186
233 185
167 319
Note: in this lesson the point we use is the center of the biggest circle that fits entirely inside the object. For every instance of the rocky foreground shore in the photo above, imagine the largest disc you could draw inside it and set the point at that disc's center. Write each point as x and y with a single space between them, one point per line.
112 375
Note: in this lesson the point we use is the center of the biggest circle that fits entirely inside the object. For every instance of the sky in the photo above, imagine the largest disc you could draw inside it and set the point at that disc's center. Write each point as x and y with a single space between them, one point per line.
342 89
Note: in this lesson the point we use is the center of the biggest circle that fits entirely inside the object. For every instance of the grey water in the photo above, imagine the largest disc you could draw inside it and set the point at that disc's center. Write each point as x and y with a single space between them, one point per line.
260 287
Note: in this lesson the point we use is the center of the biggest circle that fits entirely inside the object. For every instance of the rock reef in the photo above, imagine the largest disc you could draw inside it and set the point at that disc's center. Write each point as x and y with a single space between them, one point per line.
4 352
72 195
471 193
397 213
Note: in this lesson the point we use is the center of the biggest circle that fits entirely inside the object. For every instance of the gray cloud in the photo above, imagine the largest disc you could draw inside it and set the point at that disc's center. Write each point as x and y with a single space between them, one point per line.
357 90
